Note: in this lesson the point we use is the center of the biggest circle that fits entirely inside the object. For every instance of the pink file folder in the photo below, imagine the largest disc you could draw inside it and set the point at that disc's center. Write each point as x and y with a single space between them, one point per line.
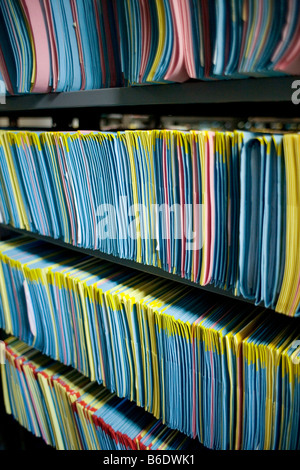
35 18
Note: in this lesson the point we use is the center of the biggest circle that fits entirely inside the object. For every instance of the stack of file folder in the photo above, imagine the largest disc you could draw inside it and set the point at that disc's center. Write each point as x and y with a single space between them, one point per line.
69 45
175 40
54 45
219 370
217 208
71 413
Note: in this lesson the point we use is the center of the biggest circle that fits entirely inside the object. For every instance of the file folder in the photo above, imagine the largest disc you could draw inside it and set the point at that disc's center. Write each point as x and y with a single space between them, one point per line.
70 45
212 207
220 372
71 413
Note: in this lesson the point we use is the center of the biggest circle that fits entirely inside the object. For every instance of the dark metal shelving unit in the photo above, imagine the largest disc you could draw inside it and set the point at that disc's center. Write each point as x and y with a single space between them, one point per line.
241 97
228 91
235 98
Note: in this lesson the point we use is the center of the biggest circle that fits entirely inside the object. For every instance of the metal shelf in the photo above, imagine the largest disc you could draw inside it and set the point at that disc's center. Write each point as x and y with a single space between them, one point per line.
250 90
209 289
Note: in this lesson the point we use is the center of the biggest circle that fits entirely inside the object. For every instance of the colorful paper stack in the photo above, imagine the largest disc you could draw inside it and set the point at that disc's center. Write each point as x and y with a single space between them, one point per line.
54 45
71 413
176 40
220 370
69 45
215 208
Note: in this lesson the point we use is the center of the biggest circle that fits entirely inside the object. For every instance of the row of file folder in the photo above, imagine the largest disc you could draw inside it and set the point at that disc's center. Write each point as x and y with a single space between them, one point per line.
55 45
58 45
217 208
70 412
225 372
180 39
